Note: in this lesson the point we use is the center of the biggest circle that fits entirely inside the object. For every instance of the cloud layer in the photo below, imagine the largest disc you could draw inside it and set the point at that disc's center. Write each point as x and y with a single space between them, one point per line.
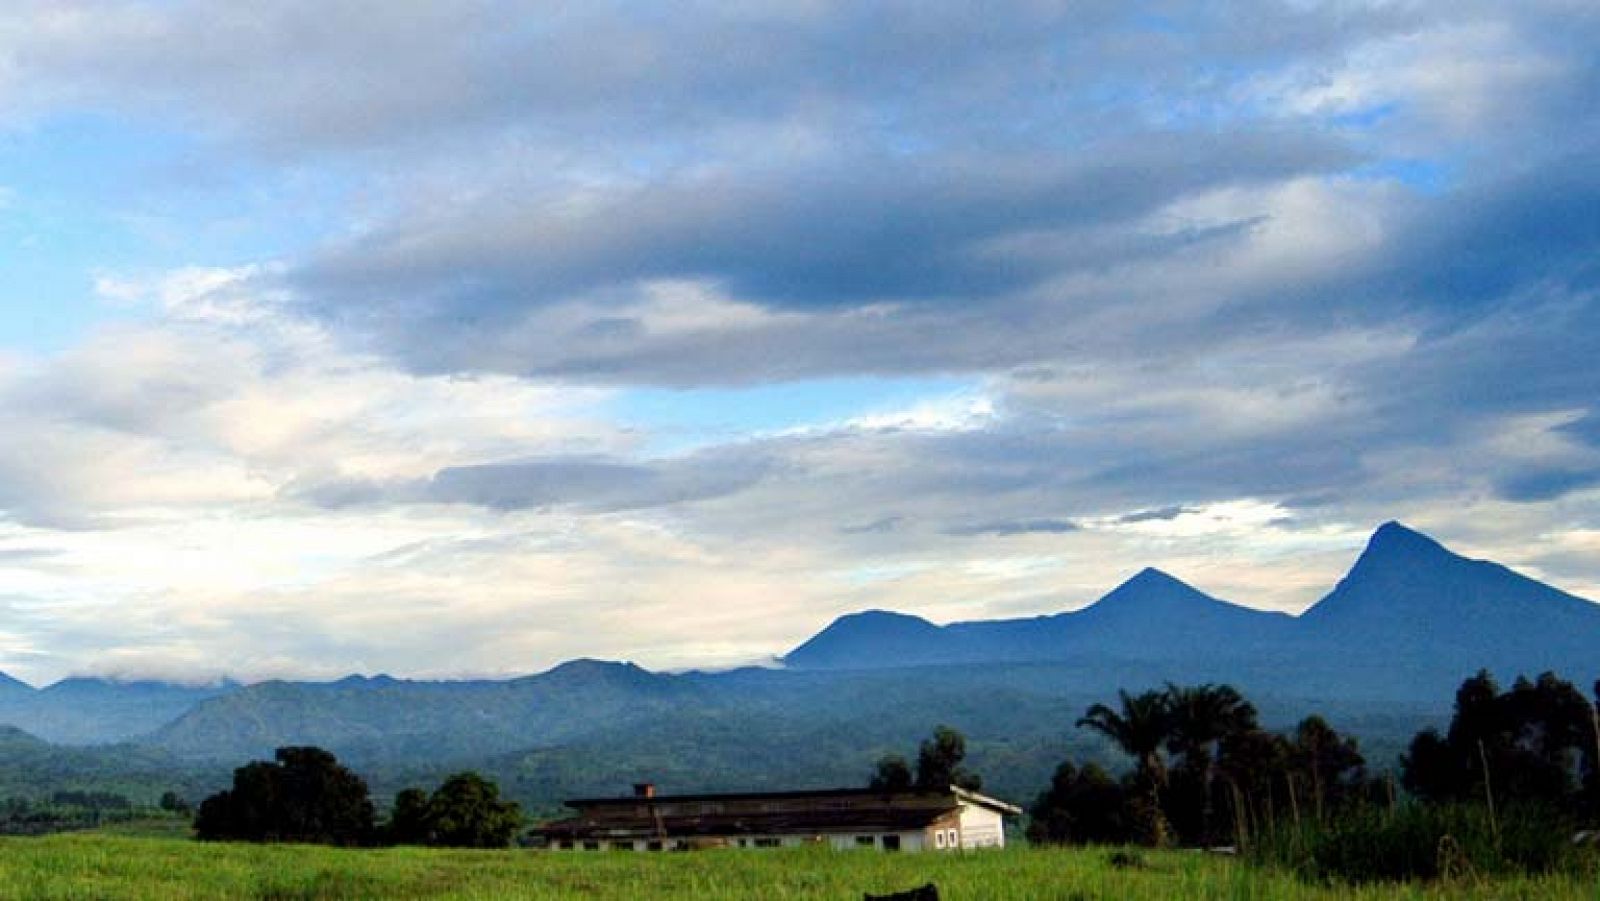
1226 287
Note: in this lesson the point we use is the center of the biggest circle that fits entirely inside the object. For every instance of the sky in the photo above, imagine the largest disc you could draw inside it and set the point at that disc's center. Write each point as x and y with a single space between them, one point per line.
463 338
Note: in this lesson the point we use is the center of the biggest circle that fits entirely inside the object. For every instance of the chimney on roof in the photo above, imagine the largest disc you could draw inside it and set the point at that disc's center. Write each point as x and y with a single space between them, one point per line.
644 789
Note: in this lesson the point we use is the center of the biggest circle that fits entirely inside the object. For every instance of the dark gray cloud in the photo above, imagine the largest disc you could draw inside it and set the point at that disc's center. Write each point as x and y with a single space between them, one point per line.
857 231
1009 528
596 483
876 526
1585 429
1157 514
1546 483
306 77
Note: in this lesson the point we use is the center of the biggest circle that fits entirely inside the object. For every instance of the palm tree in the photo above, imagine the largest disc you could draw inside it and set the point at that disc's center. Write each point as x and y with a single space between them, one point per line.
1140 729
1200 717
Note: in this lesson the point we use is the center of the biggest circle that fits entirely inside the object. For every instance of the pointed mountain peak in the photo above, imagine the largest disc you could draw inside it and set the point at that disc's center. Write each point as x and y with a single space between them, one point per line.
1394 538
1396 548
1406 587
1148 586
1150 577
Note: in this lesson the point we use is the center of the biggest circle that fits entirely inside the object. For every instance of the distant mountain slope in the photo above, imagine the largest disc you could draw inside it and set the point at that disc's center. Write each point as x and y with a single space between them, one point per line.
33 768
385 718
1152 616
1410 601
874 635
85 711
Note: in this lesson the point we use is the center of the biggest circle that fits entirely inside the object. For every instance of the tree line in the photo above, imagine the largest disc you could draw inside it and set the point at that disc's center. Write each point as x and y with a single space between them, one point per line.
939 766
70 810
305 795
1204 772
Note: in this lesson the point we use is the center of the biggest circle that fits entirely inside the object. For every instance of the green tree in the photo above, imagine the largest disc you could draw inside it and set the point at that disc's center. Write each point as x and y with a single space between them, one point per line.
467 812
1526 744
1331 763
304 795
1253 766
1081 806
892 774
172 802
408 821
1592 756
939 762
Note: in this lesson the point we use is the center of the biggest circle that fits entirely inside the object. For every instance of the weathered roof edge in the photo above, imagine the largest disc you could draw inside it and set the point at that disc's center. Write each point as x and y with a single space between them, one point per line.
986 801
971 796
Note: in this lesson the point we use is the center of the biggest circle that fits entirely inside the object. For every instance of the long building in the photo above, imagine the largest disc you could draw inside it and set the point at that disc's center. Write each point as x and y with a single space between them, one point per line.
941 820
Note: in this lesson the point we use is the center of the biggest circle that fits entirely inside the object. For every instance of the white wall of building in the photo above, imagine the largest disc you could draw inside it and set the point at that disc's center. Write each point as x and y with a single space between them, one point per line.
981 827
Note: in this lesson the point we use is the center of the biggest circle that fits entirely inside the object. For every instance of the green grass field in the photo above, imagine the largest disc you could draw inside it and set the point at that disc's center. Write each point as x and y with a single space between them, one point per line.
101 865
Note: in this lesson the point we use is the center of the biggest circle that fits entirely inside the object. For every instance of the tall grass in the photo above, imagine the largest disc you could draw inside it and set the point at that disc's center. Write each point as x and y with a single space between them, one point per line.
1450 842
104 866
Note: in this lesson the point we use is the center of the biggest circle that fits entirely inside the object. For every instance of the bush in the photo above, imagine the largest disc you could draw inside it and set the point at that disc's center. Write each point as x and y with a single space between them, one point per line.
1423 841
465 812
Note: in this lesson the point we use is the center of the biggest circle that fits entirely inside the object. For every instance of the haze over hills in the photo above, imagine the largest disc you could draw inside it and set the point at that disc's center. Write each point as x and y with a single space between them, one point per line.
83 710
1381 654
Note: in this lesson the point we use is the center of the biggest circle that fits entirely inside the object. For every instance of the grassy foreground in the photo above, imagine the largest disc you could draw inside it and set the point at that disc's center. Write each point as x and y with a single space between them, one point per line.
89 865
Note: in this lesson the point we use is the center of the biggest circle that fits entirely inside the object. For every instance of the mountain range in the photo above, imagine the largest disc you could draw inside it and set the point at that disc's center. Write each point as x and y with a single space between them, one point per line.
1409 617
1381 654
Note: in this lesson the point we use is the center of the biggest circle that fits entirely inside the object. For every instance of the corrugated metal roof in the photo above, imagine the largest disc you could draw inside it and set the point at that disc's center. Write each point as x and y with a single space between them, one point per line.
801 794
894 819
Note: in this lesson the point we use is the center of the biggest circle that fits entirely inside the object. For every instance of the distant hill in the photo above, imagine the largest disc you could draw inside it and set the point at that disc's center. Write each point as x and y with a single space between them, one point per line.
389 719
83 711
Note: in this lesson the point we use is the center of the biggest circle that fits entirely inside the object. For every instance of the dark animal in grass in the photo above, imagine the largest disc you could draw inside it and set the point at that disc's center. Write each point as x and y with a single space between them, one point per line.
929 892
1122 860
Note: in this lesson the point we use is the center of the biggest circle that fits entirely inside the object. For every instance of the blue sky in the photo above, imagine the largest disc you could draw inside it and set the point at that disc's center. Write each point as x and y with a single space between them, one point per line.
465 338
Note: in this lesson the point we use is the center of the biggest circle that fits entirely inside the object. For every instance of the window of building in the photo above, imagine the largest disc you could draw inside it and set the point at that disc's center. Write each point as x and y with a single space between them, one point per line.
953 838
938 838
653 846
591 846
891 843
566 844
866 841
768 843
622 846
